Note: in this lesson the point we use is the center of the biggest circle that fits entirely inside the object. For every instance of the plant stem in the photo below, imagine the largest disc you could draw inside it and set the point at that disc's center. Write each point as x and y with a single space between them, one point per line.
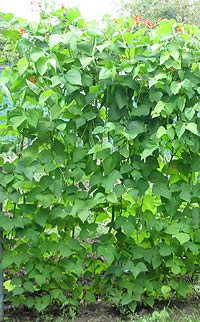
112 219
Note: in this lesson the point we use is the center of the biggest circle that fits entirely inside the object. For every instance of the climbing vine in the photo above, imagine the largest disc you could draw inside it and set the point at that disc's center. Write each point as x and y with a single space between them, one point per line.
100 160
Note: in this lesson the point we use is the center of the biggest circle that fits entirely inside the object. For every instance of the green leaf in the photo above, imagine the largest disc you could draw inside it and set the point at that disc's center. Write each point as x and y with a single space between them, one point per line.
162 190
192 127
112 198
6 222
175 87
85 61
108 252
36 53
148 204
180 129
156 261
121 97
176 269
182 237
105 73
73 76
126 299
42 65
183 288
22 65
149 148
64 249
165 250
16 121
55 39
33 87
158 109
45 95
160 132
136 270
111 179
164 57
166 291
135 128
7 92
83 215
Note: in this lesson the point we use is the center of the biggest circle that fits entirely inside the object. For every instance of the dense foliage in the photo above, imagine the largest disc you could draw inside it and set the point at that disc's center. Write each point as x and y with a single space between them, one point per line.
182 10
100 161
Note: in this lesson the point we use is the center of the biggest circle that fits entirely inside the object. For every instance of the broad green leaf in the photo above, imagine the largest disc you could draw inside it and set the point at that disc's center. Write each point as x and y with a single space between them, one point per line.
64 249
165 250
45 95
16 121
135 128
176 269
42 65
111 179
149 148
166 291
162 190
160 132
192 127
121 97
126 299
6 222
180 129
7 92
85 61
36 53
182 237
55 39
189 113
175 87
105 73
22 65
136 270
73 76
156 261
84 215
158 109
148 203
33 87
164 57
108 252
183 288
112 198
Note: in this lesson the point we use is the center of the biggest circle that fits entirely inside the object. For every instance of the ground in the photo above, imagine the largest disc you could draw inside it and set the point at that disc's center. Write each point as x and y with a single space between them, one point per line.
163 312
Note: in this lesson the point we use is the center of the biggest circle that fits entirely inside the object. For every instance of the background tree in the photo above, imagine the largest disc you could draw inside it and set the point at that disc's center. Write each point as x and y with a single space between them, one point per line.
182 10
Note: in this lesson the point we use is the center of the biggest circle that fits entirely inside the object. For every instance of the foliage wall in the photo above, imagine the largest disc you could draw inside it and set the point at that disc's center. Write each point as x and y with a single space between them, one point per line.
100 163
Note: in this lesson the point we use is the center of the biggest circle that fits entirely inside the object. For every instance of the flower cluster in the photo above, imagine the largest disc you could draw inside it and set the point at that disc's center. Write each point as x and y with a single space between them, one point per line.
22 31
179 29
32 79
147 22
137 19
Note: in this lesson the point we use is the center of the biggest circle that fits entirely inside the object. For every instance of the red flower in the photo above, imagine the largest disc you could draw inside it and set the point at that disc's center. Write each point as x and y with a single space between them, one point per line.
62 6
179 29
22 31
32 79
137 19
148 23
